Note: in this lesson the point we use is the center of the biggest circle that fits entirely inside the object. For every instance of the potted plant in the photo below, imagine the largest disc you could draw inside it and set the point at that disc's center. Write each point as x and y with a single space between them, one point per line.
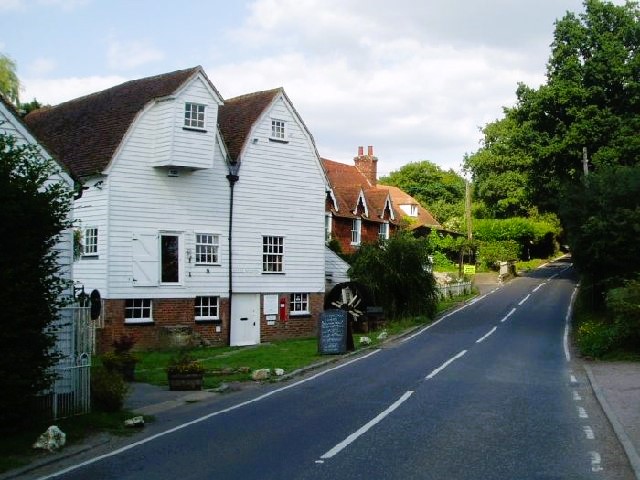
121 359
184 372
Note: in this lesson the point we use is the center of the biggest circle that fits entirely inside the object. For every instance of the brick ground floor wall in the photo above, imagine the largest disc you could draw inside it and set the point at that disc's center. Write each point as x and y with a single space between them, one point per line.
174 324
293 326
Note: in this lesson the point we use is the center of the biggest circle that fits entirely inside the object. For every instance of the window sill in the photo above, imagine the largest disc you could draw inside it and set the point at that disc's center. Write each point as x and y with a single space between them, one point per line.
301 315
194 129
278 140
211 321
89 256
273 273
208 264
136 321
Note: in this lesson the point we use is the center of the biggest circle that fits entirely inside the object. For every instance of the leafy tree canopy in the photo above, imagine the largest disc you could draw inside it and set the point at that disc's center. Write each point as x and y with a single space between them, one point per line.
395 271
440 191
9 83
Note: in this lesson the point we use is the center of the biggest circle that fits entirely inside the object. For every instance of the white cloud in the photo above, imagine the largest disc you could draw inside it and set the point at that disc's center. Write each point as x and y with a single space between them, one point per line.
12 5
129 55
67 5
54 91
41 66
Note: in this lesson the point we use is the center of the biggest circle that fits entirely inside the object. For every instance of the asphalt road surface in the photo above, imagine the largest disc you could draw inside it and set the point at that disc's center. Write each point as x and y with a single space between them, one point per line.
489 391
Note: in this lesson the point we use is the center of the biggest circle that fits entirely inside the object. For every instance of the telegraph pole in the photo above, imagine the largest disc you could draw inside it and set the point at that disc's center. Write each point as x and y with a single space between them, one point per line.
585 162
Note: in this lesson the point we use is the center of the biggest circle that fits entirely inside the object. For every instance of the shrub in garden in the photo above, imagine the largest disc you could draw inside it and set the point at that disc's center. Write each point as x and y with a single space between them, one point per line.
108 390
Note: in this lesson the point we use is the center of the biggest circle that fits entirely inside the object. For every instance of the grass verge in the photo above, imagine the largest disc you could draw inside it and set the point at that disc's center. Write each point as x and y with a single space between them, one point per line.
16 447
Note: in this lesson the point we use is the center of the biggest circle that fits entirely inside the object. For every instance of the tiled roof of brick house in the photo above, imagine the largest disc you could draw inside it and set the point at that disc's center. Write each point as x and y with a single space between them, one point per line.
348 181
84 133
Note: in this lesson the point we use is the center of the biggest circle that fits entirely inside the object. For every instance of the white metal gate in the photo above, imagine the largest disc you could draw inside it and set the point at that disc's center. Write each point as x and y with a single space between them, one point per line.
75 338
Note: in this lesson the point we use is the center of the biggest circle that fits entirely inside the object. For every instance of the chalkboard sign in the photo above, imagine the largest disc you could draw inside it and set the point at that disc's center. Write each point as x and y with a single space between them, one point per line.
332 334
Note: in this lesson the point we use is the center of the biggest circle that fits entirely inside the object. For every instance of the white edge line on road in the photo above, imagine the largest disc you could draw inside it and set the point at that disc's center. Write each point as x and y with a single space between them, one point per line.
366 427
202 419
504 319
521 302
444 365
422 330
567 322
488 334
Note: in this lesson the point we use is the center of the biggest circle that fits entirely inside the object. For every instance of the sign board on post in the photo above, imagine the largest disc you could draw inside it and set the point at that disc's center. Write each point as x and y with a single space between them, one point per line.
469 269
332 332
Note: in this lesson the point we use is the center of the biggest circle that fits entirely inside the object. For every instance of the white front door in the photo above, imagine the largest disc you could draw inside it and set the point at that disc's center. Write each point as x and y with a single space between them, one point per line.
245 319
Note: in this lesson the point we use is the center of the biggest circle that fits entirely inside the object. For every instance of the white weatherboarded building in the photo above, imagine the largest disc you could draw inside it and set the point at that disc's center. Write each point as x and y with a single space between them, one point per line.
154 157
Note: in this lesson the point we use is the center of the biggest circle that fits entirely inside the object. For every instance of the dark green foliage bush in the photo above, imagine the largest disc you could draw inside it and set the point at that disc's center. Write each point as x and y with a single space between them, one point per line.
624 305
397 273
596 338
33 212
108 390
490 253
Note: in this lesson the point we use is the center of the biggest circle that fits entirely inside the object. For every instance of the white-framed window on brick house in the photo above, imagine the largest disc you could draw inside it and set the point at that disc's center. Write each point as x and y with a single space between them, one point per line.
299 304
138 310
383 231
90 242
194 115
206 308
356 226
278 129
170 258
272 254
207 249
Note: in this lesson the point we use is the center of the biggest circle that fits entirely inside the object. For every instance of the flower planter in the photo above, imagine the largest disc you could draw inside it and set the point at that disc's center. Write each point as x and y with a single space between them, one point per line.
185 381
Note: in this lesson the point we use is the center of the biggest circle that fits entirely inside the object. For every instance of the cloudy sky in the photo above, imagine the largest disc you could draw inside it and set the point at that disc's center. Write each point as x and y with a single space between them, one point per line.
414 78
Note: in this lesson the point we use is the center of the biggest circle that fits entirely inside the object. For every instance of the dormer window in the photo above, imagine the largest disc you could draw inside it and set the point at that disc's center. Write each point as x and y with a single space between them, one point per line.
278 129
411 209
194 116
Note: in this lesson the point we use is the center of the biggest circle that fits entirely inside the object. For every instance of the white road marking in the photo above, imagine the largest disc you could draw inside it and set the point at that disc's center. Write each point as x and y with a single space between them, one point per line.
524 299
576 396
445 365
366 427
422 330
567 321
537 288
489 333
596 462
504 319
582 413
202 419
574 379
588 431
319 461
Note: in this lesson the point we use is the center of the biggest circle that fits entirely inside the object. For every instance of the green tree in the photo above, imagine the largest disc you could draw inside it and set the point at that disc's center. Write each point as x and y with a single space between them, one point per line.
500 171
395 271
602 218
34 212
591 99
9 83
440 191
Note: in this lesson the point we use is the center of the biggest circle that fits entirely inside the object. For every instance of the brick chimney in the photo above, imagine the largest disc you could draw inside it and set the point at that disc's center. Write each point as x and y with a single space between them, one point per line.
367 165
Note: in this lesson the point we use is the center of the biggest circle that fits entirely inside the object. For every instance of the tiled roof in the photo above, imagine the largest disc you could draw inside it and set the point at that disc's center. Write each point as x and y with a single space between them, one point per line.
10 107
424 218
238 115
84 133
347 183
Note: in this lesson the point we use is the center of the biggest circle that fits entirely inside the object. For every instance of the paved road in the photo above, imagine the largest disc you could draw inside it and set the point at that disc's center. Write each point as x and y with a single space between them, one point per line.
487 392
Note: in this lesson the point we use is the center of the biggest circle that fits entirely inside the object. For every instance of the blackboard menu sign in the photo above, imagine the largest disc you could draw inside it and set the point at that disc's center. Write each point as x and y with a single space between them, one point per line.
332 334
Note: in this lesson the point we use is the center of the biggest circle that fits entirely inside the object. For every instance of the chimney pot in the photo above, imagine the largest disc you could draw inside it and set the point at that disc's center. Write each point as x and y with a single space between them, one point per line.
370 150
360 151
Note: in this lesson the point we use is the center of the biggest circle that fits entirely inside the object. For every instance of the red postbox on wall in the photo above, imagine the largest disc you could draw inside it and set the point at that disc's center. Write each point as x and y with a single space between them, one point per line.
283 309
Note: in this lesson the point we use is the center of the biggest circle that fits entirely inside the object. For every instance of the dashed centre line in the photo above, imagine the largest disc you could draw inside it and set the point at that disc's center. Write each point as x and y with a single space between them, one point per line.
521 302
487 335
504 319
445 365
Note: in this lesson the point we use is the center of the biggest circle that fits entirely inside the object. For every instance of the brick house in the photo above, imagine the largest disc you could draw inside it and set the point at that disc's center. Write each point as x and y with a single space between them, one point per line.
358 210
